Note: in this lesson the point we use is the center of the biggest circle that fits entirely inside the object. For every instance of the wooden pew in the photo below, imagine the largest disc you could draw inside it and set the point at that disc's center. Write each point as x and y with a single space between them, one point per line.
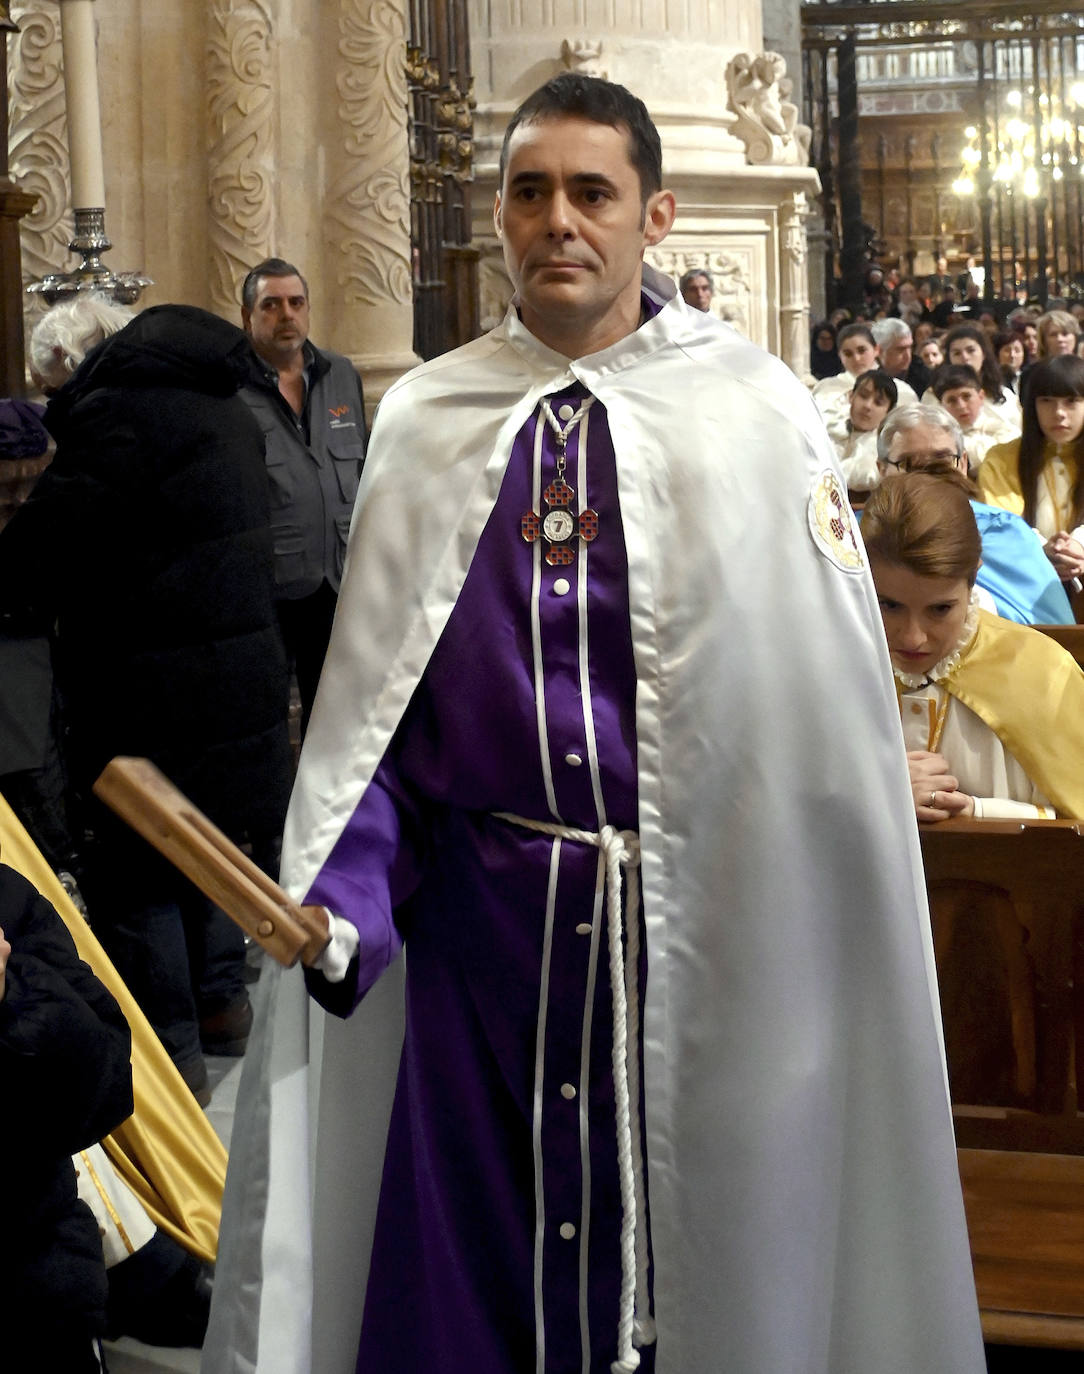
1070 637
1007 906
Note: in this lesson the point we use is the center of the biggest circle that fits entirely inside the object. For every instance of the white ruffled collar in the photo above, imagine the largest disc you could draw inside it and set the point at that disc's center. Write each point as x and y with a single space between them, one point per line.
946 666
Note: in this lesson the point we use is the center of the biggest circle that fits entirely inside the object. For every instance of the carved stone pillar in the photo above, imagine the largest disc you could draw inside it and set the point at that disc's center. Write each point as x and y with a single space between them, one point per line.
794 280
366 206
241 109
37 142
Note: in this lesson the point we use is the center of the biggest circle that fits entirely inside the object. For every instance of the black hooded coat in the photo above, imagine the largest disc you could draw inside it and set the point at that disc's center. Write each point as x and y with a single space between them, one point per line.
147 542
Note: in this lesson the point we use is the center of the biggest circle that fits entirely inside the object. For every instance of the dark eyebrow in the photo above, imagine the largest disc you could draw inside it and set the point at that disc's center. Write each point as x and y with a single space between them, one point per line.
580 179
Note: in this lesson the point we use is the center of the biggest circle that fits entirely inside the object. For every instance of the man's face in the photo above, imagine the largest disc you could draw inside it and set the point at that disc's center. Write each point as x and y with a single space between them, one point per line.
858 355
697 293
964 404
907 294
923 445
896 356
574 229
278 322
868 407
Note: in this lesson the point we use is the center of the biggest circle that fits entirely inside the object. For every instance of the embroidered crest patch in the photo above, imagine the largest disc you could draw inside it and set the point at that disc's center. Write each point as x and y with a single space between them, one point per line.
832 523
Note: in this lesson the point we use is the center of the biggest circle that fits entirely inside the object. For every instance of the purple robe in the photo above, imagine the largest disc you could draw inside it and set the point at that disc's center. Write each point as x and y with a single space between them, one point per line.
497 1240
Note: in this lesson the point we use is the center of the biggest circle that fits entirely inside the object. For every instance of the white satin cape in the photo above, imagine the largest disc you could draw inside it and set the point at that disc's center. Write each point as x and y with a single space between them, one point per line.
805 1204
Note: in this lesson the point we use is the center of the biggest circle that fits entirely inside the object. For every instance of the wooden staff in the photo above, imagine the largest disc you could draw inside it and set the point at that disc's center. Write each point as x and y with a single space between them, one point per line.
163 815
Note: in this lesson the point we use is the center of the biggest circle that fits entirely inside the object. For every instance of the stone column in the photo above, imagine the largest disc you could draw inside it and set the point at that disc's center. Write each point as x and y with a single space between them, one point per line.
366 198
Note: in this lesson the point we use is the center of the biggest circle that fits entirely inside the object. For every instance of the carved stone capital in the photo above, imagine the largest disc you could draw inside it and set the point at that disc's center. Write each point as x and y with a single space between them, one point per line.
767 122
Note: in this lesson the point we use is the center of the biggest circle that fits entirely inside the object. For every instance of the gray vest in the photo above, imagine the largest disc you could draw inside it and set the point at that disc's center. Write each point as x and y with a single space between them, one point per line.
312 485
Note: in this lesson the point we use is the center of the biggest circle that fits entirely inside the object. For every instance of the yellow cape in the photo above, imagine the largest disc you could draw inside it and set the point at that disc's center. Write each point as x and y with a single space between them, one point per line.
167 1150
999 477
1030 692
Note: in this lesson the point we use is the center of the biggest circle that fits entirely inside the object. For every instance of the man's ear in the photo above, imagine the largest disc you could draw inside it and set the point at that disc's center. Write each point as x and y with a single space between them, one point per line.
497 215
246 319
659 216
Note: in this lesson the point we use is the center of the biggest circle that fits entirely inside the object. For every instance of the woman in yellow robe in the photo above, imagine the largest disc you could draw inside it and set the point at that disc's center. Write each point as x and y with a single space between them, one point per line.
992 711
1041 475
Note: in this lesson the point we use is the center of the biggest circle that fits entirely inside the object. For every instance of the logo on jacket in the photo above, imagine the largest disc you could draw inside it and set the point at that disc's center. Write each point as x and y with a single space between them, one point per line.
337 421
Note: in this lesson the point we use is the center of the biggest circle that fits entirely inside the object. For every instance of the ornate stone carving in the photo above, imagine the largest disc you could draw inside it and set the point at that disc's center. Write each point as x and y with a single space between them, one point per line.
240 147
732 295
37 142
767 122
368 201
794 294
584 55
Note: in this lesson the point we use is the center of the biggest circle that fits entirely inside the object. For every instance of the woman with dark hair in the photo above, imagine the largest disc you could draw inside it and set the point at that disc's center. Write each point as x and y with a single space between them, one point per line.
968 345
993 713
1011 356
824 361
1041 475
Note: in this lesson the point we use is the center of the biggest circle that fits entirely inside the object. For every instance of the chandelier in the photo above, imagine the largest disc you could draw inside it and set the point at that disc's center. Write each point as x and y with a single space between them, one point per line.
1021 151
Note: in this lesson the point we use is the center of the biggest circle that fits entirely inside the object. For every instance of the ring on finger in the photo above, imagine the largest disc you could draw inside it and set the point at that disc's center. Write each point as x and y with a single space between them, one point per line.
933 798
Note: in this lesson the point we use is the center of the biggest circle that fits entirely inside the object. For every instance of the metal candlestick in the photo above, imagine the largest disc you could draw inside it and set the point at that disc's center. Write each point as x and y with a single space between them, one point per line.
90 242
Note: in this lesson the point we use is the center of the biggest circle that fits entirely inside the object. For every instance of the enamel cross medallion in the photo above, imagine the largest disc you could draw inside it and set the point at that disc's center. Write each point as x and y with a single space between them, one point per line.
559 527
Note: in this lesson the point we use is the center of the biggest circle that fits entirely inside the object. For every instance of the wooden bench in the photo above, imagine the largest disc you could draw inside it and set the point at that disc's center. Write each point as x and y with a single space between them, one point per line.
1007 906
1070 637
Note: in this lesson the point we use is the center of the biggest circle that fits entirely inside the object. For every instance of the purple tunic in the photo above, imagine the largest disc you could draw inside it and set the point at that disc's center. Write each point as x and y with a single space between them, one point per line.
496 1247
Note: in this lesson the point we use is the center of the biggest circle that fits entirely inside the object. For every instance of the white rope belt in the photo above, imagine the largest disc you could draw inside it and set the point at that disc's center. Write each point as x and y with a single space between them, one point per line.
621 850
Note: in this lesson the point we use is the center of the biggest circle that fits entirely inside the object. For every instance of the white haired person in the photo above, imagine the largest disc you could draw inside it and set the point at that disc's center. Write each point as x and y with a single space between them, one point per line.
897 345
1015 573
64 336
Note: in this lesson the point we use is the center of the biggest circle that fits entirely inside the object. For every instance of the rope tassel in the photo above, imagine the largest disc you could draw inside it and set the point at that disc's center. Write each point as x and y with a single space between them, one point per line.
621 850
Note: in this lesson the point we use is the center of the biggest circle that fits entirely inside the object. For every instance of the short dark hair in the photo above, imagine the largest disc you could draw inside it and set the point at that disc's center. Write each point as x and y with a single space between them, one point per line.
270 267
883 384
953 376
857 330
602 102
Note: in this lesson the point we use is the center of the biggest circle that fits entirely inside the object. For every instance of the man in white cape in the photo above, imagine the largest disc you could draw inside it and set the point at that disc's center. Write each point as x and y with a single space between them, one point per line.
606 738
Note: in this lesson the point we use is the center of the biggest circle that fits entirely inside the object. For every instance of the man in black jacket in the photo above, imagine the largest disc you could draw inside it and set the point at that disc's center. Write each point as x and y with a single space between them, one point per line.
309 406
146 542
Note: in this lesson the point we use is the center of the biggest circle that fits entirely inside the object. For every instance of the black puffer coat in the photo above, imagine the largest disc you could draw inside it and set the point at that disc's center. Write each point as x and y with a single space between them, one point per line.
65 1081
147 540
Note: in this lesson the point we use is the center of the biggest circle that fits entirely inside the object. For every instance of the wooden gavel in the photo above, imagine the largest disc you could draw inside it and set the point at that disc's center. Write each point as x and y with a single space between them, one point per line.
141 795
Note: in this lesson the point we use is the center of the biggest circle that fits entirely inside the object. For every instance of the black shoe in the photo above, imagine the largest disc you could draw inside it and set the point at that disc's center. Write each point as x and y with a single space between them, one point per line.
226 1032
194 1073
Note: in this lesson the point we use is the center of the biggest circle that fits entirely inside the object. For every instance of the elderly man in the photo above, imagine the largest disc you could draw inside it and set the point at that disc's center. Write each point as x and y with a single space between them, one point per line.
1015 571
569 670
896 343
309 405
697 288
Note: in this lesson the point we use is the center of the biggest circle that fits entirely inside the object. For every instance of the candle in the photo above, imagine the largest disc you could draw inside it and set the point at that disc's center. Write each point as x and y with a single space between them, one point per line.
81 97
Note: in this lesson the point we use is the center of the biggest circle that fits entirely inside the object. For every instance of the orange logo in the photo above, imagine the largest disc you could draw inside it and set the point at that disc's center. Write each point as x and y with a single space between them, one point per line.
338 410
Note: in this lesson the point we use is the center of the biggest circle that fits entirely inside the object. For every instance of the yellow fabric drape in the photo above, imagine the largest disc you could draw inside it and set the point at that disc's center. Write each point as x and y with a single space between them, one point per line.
1030 692
167 1150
